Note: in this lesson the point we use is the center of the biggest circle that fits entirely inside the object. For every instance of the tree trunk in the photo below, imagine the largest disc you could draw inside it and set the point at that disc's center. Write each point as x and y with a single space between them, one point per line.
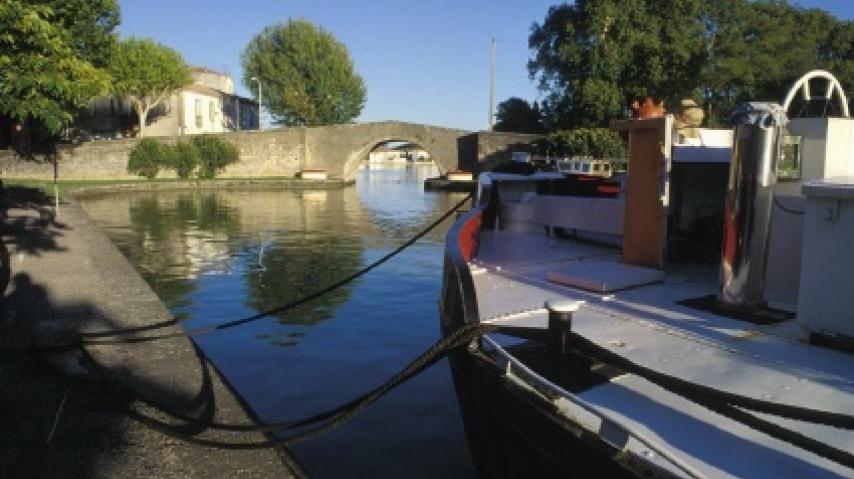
143 116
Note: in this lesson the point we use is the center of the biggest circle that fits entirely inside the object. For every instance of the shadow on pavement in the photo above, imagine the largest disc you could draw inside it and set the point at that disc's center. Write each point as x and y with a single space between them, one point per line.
60 416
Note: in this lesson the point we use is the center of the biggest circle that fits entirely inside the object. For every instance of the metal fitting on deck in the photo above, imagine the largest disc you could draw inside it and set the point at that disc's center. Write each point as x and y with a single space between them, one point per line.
560 324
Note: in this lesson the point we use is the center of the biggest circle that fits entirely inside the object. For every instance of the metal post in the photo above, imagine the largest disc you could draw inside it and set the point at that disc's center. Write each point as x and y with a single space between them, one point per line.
757 143
55 186
560 324
260 99
491 84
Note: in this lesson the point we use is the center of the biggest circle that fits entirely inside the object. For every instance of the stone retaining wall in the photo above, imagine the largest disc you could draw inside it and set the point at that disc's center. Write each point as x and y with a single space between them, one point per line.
283 152
262 154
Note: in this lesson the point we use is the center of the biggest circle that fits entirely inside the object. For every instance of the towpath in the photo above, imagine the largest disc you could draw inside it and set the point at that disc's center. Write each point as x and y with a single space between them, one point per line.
65 272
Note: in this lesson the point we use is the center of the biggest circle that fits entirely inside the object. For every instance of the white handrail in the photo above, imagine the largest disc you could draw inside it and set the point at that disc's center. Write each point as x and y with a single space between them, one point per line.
803 84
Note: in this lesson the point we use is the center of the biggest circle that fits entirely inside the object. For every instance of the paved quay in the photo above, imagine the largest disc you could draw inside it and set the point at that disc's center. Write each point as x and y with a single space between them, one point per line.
65 274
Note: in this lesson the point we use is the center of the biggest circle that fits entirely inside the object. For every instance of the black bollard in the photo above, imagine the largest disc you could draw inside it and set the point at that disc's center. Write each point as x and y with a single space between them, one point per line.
560 324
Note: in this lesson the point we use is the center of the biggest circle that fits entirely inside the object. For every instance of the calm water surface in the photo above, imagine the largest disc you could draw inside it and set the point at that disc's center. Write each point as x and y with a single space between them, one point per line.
219 255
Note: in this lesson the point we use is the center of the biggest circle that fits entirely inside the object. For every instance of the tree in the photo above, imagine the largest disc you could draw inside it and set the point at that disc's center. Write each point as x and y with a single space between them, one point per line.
90 25
758 49
146 73
594 57
42 78
594 142
306 75
517 115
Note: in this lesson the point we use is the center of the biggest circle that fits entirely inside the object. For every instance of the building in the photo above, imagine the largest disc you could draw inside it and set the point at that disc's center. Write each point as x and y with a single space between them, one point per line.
207 105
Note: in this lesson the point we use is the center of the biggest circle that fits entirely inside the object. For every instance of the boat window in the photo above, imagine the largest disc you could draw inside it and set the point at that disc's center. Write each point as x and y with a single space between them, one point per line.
606 166
596 167
586 168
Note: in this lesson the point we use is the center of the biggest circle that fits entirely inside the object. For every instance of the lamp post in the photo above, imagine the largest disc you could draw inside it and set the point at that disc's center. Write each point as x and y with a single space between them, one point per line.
260 107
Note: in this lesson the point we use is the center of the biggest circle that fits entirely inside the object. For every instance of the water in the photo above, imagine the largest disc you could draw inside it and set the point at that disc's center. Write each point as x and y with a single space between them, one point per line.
218 255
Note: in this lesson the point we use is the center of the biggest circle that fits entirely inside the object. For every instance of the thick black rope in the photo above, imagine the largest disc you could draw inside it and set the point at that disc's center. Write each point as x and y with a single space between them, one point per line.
324 421
727 404
722 402
588 348
279 309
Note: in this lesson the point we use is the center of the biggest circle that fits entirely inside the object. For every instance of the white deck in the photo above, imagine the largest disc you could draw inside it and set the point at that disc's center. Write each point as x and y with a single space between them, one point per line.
646 325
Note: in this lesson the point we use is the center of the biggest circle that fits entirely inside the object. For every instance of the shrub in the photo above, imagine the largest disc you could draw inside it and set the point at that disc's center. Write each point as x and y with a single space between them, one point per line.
214 154
147 157
595 142
184 158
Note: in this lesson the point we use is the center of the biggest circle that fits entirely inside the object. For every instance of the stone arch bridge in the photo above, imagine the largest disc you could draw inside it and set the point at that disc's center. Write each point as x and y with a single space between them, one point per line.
339 149
283 152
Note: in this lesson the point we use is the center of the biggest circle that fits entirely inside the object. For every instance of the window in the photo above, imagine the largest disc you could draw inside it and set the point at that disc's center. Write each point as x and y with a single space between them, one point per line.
198 113
212 111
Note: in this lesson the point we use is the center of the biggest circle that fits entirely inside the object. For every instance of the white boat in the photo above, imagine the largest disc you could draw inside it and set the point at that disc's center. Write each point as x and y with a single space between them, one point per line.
697 324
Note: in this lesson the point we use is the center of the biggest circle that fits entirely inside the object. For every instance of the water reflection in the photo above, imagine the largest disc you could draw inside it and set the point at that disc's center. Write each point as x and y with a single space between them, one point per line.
284 274
283 244
220 255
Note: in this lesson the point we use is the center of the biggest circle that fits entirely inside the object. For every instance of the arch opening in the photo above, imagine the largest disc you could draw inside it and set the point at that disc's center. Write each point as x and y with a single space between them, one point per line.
387 153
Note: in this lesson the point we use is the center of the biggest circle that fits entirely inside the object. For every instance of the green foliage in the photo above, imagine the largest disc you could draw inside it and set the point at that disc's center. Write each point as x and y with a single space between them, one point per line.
595 56
758 49
184 158
307 76
207 153
42 77
594 142
90 25
214 154
147 157
146 73
517 115
592 58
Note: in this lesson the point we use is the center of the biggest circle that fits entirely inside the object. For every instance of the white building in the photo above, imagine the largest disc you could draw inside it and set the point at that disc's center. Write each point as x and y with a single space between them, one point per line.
208 105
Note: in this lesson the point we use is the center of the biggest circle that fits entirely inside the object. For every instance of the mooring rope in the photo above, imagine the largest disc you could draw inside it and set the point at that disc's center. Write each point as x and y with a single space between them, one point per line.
725 403
88 341
119 392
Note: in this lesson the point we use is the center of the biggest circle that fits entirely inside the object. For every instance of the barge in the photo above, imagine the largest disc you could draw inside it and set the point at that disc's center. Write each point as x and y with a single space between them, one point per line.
696 323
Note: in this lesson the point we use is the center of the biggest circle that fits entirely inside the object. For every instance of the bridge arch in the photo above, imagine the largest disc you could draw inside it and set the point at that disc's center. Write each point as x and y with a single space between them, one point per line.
357 156
339 149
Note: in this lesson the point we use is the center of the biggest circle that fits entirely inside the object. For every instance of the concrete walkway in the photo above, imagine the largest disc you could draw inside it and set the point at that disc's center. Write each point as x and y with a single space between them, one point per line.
64 271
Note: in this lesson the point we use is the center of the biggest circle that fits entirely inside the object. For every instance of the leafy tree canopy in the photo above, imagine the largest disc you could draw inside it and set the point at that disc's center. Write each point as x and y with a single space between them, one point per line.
592 58
594 142
517 115
146 73
42 77
90 25
306 75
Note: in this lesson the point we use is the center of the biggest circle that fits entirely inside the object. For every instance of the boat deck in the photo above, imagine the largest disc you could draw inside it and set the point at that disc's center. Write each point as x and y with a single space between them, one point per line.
647 325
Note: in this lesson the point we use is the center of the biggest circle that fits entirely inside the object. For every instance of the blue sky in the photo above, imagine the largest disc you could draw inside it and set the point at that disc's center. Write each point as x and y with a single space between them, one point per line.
423 61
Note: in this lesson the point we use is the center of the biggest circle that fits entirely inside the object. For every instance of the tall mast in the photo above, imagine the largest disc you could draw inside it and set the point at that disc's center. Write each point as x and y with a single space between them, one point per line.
491 84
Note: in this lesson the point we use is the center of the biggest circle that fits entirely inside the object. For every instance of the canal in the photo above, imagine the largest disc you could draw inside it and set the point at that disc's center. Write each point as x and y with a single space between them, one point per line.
216 255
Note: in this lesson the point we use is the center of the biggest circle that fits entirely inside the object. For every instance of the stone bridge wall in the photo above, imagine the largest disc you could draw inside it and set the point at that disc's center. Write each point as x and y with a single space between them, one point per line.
483 150
285 151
